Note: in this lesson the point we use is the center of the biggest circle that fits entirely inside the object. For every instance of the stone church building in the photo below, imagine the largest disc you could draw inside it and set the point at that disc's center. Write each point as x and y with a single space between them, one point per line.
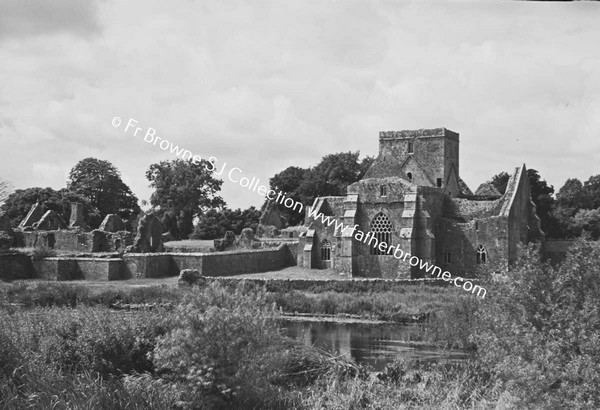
412 197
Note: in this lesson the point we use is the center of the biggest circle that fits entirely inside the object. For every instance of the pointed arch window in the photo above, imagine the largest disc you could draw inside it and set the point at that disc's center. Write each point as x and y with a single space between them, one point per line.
326 250
381 229
481 254
409 175
447 256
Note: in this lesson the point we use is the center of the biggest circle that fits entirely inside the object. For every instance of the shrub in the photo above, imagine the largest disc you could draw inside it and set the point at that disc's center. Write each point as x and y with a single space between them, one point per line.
42 252
540 332
191 277
6 241
94 339
226 350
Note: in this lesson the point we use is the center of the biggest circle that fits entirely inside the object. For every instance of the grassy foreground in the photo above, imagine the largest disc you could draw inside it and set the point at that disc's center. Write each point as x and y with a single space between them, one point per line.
219 347
537 343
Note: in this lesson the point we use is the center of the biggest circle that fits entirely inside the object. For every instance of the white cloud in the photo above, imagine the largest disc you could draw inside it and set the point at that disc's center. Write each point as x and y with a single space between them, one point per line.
264 85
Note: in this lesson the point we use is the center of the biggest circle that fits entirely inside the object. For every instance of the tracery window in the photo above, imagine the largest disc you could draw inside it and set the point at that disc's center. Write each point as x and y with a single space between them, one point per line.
381 229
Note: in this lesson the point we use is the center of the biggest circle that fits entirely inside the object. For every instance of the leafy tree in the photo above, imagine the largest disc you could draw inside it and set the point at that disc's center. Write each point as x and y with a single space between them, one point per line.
541 195
214 223
185 190
289 182
569 199
500 181
209 226
333 175
592 192
5 190
330 177
572 195
101 182
539 332
586 220
19 203
577 207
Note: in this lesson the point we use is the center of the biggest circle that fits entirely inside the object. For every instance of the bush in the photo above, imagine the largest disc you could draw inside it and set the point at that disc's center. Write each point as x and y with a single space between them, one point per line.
91 339
6 241
191 277
42 252
540 332
226 351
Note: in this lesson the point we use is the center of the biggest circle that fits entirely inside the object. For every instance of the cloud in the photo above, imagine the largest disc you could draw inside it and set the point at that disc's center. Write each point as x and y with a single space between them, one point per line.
30 18
264 85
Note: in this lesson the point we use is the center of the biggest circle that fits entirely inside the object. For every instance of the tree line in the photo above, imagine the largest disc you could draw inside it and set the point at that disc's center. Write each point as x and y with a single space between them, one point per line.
186 196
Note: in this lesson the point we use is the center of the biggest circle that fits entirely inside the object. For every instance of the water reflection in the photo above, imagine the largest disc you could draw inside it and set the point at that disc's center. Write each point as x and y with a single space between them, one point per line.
375 345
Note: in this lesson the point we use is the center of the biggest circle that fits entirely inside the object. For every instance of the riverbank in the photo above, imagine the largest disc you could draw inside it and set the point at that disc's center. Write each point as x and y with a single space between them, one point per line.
65 345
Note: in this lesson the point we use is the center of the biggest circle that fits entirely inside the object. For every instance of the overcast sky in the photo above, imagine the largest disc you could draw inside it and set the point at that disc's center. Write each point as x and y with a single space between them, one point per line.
263 85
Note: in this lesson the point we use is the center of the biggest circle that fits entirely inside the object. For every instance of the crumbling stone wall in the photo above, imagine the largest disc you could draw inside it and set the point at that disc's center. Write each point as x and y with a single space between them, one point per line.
149 235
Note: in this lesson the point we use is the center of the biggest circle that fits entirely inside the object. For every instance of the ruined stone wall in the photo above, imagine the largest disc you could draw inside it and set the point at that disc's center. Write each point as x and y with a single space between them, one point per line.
147 265
235 263
517 207
370 204
153 265
72 268
462 240
57 269
15 266
100 268
76 241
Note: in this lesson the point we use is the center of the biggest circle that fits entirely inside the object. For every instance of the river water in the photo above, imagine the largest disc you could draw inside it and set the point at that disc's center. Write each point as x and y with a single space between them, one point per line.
370 344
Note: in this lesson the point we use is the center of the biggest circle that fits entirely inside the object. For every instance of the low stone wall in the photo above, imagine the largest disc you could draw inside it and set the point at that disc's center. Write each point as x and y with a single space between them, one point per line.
147 265
15 266
59 268
234 262
56 269
101 268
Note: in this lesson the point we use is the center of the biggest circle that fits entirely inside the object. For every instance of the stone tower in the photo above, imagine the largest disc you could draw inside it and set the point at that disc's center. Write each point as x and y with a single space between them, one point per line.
423 157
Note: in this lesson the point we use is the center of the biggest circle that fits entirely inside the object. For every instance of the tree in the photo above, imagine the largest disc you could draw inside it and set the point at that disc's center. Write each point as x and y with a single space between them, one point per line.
214 223
591 189
101 182
5 190
289 182
333 174
541 195
19 203
330 177
186 189
577 207
586 220
500 181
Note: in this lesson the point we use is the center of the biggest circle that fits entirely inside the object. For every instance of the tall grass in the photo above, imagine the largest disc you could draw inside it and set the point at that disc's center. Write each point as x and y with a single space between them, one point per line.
48 294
